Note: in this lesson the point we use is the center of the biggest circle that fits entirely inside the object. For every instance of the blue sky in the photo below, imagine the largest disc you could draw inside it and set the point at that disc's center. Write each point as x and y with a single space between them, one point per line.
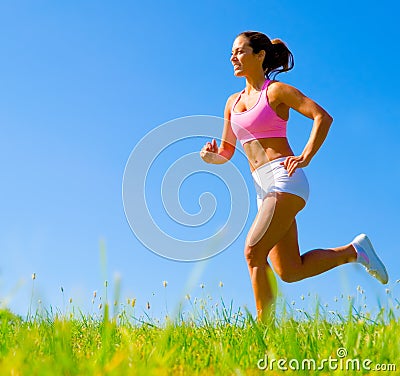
82 83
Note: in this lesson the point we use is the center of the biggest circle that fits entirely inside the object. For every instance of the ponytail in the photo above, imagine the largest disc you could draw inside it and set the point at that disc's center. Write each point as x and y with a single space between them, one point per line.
282 59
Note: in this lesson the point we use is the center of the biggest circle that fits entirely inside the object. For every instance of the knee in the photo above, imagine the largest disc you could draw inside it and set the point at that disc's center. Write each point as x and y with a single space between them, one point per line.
287 275
254 256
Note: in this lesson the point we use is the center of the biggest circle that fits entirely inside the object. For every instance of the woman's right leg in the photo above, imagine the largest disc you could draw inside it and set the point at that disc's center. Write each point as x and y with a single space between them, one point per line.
273 220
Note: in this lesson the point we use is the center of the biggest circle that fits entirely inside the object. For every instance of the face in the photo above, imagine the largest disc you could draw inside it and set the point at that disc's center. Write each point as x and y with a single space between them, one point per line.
244 61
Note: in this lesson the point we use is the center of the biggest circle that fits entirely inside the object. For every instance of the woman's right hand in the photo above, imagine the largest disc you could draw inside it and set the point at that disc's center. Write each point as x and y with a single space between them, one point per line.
209 152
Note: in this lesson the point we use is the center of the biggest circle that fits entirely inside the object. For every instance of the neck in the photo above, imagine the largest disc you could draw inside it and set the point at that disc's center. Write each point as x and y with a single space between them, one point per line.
255 83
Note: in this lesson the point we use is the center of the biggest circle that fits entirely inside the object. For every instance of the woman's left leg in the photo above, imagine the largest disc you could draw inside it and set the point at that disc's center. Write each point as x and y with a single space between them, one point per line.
291 267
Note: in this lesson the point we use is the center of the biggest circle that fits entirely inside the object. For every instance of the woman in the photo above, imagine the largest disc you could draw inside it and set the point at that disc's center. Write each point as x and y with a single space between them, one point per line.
257 116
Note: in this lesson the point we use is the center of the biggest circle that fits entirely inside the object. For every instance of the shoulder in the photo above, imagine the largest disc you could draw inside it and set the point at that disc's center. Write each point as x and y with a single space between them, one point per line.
229 103
232 99
278 86
277 89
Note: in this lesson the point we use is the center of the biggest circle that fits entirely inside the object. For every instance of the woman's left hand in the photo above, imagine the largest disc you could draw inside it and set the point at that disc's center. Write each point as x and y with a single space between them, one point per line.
293 162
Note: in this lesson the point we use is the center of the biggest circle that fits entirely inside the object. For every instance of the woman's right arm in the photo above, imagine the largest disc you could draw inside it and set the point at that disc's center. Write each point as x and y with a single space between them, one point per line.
210 152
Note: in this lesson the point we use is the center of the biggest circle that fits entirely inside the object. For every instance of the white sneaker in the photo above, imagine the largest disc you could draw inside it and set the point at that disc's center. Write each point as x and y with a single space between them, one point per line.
366 256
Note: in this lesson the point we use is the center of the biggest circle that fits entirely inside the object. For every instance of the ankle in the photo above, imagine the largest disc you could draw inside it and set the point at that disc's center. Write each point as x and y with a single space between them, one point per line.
352 253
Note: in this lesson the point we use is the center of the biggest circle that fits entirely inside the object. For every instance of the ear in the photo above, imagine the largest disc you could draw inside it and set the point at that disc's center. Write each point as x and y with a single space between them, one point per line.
261 55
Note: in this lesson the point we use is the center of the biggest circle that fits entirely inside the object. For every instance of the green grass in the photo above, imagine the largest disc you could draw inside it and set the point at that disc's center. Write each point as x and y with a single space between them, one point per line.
204 341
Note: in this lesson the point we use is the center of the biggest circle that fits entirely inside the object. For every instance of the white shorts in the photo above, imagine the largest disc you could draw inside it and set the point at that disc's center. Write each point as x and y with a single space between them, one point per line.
273 177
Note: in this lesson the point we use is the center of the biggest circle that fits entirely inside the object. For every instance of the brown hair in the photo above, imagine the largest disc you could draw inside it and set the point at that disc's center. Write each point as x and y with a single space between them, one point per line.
277 59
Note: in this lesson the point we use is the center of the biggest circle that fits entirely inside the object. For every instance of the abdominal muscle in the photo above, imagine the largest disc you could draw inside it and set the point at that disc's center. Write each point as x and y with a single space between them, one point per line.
264 150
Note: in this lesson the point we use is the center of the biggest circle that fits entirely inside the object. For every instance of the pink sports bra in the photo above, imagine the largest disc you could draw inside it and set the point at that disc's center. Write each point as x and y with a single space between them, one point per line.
260 121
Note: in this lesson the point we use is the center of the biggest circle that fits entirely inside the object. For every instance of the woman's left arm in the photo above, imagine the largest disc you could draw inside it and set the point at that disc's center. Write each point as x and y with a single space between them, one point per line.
295 99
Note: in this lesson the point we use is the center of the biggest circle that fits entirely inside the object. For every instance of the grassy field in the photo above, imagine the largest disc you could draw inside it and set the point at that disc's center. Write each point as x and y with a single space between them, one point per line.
203 342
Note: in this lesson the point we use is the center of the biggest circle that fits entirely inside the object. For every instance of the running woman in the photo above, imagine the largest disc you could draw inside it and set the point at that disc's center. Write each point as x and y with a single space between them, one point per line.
257 117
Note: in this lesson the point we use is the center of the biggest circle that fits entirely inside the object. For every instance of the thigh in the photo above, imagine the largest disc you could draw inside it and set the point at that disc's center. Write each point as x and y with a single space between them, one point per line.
274 219
285 255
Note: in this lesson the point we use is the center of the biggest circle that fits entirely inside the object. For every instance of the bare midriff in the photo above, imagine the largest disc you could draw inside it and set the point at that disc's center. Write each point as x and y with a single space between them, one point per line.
265 150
